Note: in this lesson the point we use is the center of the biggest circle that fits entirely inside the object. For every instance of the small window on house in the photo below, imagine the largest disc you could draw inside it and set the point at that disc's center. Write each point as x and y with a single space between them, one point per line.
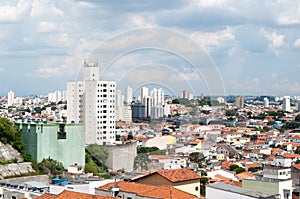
196 188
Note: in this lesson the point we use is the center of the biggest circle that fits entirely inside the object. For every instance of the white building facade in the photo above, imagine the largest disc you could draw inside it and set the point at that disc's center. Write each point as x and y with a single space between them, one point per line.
10 98
93 102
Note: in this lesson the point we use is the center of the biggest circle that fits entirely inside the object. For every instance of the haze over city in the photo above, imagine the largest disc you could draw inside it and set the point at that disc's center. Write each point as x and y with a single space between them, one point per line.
254 45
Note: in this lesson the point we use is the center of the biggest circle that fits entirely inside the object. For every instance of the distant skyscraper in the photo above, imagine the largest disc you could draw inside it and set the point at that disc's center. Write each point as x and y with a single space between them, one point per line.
286 104
144 92
266 102
128 95
55 96
239 102
93 102
10 98
138 111
185 94
158 102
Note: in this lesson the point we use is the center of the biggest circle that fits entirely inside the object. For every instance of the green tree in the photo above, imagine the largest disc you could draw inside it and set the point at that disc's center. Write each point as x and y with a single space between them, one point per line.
141 162
297 118
233 167
196 157
297 151
239 170
51 167
147 149
230 112
203 182
98 153
92 167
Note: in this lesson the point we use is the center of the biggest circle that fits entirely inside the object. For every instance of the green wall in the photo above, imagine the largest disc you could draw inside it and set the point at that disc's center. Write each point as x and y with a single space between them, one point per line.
42 141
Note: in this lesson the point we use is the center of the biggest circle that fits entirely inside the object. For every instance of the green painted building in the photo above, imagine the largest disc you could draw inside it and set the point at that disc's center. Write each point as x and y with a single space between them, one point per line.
59 141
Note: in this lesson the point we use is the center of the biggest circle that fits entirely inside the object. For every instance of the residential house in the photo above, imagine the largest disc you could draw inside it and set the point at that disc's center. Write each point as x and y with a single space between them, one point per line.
296 178
72 195
183 179
131 190
227 151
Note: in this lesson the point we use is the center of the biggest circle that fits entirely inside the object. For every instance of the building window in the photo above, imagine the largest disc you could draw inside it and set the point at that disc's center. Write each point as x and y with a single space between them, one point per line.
196 188
61 132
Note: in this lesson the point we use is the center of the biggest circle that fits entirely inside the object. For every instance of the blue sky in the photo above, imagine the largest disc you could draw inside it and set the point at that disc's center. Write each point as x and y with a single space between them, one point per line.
254 44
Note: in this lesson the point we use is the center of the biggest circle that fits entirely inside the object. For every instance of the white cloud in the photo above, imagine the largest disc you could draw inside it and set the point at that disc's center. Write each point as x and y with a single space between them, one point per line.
10 13
47 72
46 26
296 43
277 40
220 38
139 21
43 8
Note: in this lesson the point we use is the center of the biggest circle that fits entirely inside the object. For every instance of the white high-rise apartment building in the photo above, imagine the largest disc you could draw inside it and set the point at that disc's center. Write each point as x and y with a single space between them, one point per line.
266 102
55 96
286 105
93 102
10 98
157 103
144 92
128 95
157 97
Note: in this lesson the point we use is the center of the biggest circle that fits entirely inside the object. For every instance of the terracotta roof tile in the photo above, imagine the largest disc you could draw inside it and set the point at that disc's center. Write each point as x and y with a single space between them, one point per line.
296 166
162 192
76 195
47 196
178 175
290 155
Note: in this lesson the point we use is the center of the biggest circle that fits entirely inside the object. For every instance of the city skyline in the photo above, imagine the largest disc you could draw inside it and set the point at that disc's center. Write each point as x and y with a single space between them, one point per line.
254 45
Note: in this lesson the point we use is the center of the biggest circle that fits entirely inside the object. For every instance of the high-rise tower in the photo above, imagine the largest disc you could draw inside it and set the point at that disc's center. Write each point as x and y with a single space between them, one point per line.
93 102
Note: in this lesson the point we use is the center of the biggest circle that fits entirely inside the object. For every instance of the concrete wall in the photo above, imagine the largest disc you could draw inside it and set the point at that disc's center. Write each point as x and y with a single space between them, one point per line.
15 169
212 193
121 156
270 187
267 187
41 141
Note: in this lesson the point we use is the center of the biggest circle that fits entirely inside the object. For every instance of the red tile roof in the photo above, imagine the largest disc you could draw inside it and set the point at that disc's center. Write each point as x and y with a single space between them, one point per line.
162 192
296 166
72 195
178 175
290 155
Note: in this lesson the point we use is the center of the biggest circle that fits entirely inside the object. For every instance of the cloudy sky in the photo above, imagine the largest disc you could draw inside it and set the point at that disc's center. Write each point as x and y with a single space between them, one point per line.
254 45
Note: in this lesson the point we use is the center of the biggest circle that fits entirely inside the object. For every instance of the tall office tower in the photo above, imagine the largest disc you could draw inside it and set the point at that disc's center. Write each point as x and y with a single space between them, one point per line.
266 102
128 95
239 102
286 105
93 102
10 98
185 94
144 92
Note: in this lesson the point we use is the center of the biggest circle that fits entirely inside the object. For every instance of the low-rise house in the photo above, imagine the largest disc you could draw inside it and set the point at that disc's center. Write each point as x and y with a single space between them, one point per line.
142 191
183 179
73 195
169 162
227 151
